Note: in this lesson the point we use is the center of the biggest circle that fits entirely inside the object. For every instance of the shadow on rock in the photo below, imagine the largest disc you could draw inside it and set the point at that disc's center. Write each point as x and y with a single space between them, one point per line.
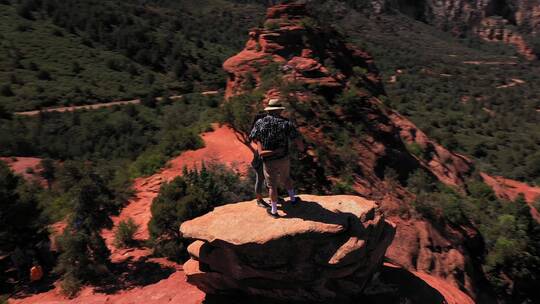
392 286
130 274
398 285
313 211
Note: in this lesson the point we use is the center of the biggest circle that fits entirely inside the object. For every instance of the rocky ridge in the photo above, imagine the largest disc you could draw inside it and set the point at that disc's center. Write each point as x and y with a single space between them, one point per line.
334 86
493 20
325 248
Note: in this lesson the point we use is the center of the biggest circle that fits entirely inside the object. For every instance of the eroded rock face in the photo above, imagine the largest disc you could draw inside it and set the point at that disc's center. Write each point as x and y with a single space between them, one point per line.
487 18
290 40
325 248
496 29
332 88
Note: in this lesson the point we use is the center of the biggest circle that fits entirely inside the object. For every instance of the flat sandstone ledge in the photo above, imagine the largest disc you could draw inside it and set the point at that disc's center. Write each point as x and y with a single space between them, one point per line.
325 247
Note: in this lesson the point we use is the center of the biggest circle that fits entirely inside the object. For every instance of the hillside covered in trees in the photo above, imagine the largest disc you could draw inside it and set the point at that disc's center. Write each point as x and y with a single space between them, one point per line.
478 98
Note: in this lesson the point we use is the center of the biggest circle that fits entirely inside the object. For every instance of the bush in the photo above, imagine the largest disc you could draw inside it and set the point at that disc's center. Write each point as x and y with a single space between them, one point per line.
239 111
43 75
537 204
415 149
70 286
343 187
123 237
6 91
193 194
25 8
271 25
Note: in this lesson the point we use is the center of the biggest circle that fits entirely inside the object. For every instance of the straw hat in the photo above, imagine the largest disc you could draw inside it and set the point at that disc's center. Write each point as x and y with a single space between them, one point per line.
274 104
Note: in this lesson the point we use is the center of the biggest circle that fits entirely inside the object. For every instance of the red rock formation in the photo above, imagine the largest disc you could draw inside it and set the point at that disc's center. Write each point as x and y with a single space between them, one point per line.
496 29
460 16
323 249
508 189
450 168
316 71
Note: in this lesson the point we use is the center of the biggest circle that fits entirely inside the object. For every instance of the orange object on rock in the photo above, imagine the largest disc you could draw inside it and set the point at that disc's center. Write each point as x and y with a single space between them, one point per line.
36 273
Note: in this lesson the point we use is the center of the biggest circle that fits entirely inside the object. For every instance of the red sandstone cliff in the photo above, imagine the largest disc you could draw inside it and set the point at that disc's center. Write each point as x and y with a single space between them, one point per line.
334 89
505 21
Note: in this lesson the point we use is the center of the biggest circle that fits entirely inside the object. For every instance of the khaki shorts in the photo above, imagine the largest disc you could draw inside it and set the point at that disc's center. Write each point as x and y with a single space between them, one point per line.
276 172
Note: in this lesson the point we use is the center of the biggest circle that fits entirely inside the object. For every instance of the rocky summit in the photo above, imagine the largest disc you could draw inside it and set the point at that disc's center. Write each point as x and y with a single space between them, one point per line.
324 248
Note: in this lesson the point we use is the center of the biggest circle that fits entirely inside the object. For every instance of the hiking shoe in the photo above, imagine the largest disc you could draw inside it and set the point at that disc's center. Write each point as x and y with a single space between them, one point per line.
274 215
296 201
262 203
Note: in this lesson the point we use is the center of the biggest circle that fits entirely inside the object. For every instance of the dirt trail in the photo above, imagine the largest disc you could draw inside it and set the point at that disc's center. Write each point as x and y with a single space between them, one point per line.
101 105
477 62
513 82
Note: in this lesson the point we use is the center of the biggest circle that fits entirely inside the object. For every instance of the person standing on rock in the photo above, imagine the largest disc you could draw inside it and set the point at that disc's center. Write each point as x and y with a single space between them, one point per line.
272 133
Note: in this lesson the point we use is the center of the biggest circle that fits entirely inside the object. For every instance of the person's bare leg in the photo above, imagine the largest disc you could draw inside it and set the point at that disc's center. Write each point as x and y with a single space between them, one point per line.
273 198
287 181
271 182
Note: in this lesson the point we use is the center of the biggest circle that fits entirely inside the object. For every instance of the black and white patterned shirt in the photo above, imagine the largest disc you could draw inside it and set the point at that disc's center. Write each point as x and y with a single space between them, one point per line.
274 132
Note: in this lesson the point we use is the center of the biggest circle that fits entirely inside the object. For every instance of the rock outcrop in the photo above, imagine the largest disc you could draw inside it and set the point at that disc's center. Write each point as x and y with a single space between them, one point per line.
335 94
488 18
497 30
324 248
290 40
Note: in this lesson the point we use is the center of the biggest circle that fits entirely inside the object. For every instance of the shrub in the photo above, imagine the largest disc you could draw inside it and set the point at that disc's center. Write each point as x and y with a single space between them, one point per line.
147 163
25 8
193 194
426 205
6 91
271 25
123 237
43 75
343 187
70 286
239 111
308 23
415 149
537 204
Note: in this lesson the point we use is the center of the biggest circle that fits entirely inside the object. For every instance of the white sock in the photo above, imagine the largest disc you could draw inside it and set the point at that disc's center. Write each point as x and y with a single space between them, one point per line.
274 207
292 196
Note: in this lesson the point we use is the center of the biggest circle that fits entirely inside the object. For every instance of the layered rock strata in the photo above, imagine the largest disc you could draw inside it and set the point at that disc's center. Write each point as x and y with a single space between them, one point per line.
325 248
335 95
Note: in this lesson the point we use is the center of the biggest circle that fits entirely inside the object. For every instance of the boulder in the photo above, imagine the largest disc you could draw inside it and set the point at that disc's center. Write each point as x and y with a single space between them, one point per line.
324 248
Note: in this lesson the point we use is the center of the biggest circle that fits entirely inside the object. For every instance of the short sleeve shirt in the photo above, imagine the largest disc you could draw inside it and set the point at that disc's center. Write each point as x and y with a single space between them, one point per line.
273 132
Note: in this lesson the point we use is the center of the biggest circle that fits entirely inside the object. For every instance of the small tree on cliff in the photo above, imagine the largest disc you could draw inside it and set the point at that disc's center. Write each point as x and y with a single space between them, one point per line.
84 257
239 112
48 171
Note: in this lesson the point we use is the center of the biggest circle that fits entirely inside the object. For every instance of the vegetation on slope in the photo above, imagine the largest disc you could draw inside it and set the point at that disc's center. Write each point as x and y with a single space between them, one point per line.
454 88
65 52
510 252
